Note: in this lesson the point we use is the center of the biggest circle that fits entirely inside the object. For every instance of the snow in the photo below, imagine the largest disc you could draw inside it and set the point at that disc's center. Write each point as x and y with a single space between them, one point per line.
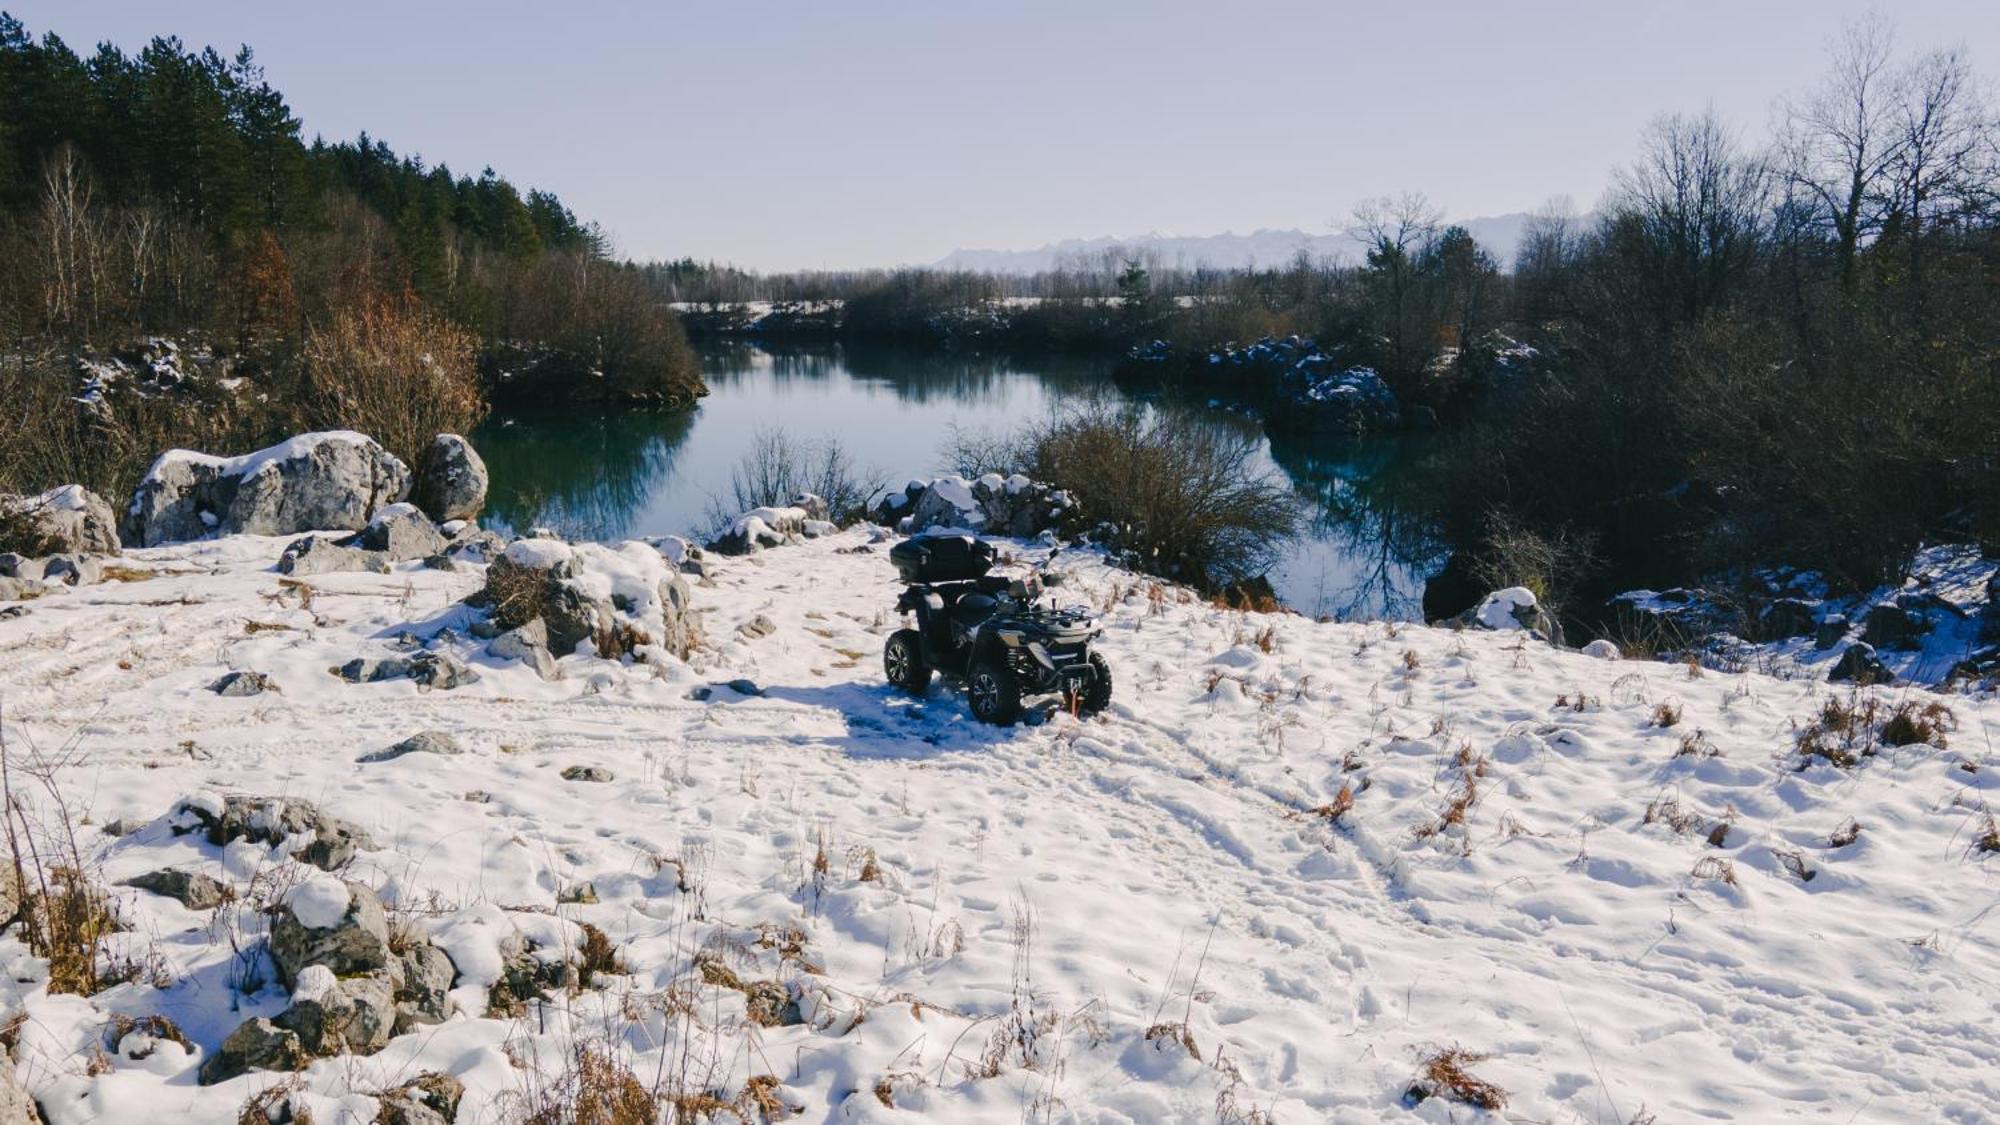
320 902
538 554
1498 611
1093 879
314 982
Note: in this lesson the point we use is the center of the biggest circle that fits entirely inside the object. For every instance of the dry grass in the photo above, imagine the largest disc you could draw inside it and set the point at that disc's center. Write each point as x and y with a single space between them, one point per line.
1667 809
1446 1074
596 1088
1989 836
1470 768
1695 744
274 1103
1341 804
65 915
1715 868
1666 714
1912 723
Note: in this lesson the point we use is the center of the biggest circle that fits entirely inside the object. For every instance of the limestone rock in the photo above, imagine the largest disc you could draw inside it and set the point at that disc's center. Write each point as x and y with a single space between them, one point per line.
451 479
256 1044
191 889
347 941
333 481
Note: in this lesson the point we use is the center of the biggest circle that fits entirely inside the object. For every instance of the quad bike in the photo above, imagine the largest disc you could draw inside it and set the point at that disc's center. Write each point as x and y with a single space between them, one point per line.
989 632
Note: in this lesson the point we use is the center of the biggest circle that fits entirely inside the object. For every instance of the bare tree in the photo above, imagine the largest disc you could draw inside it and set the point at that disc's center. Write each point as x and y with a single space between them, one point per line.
1836 145
68 237
1698 202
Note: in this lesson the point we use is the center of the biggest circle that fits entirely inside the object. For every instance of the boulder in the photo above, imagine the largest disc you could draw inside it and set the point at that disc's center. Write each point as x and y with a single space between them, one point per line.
19 589
586 773
333 481
1516 608
528 644
423 995
326 842
1785 618
422 742
438 671
431 1098
323 554
72 570
256 1044
1892 626
1602 649
1830 631
238 685
623 595
191 889
451 480
335 1015
69 520
329 922
760 529
1859 664
401 532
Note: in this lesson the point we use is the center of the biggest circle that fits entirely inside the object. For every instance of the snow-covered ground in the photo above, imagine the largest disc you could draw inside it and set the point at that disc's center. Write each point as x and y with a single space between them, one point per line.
1147 916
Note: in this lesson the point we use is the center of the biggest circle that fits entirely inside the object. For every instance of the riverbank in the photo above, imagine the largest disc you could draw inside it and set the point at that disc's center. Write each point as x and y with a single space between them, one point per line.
1334 850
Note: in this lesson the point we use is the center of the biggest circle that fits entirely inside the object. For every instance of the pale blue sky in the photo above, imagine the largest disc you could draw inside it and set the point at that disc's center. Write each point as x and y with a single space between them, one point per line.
797 135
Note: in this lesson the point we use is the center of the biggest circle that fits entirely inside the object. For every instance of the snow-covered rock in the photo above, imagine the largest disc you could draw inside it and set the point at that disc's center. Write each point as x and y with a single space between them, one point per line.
990 505
625 594
1516 608
332 481
67 520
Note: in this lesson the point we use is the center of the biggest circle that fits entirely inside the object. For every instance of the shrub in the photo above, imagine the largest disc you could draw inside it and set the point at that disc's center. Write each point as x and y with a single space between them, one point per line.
1181 495
393 370
1445 1074
779 467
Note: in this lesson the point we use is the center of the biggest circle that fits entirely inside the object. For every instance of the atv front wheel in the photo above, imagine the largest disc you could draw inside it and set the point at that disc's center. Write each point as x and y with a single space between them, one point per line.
994 693
903 661
1096 695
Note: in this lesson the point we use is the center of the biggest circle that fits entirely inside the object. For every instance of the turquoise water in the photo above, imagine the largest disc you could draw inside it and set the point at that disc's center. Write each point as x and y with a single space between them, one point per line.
614 475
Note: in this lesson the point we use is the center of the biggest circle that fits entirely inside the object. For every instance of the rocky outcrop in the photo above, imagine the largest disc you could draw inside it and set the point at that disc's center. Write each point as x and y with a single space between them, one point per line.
762 528
622 598
191 889
990 505
70 520
1859 664
257 1044
241 685
433 671
299 827
422 742
451 480
333 481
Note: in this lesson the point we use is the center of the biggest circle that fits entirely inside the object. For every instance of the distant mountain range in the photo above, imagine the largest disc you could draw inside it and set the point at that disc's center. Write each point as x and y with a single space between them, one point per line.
1499 234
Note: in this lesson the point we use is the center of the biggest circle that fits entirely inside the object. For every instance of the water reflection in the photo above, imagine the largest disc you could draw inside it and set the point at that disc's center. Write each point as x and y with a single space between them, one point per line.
1365 552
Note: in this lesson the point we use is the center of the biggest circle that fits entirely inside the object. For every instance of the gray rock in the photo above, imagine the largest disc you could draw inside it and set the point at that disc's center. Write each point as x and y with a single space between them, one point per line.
1830 631
744 687
358 944
401 532
431 1098
1786 617
72 570
760 529
11 564
16 1106
356 1015
314 482
1859 665
451 479
586 773
191 889
237 685
423 742
424 994
441 562
70 520
256 1044
19 589
372 670
440 671
1892 626
321 554
758 627
327 842
528 644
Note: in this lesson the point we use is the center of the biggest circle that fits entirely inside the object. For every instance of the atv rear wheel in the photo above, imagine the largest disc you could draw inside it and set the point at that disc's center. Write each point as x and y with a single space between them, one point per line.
903 661
994 693
1095 696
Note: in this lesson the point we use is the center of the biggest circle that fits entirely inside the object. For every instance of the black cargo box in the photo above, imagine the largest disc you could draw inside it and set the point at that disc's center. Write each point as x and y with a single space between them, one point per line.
942 558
